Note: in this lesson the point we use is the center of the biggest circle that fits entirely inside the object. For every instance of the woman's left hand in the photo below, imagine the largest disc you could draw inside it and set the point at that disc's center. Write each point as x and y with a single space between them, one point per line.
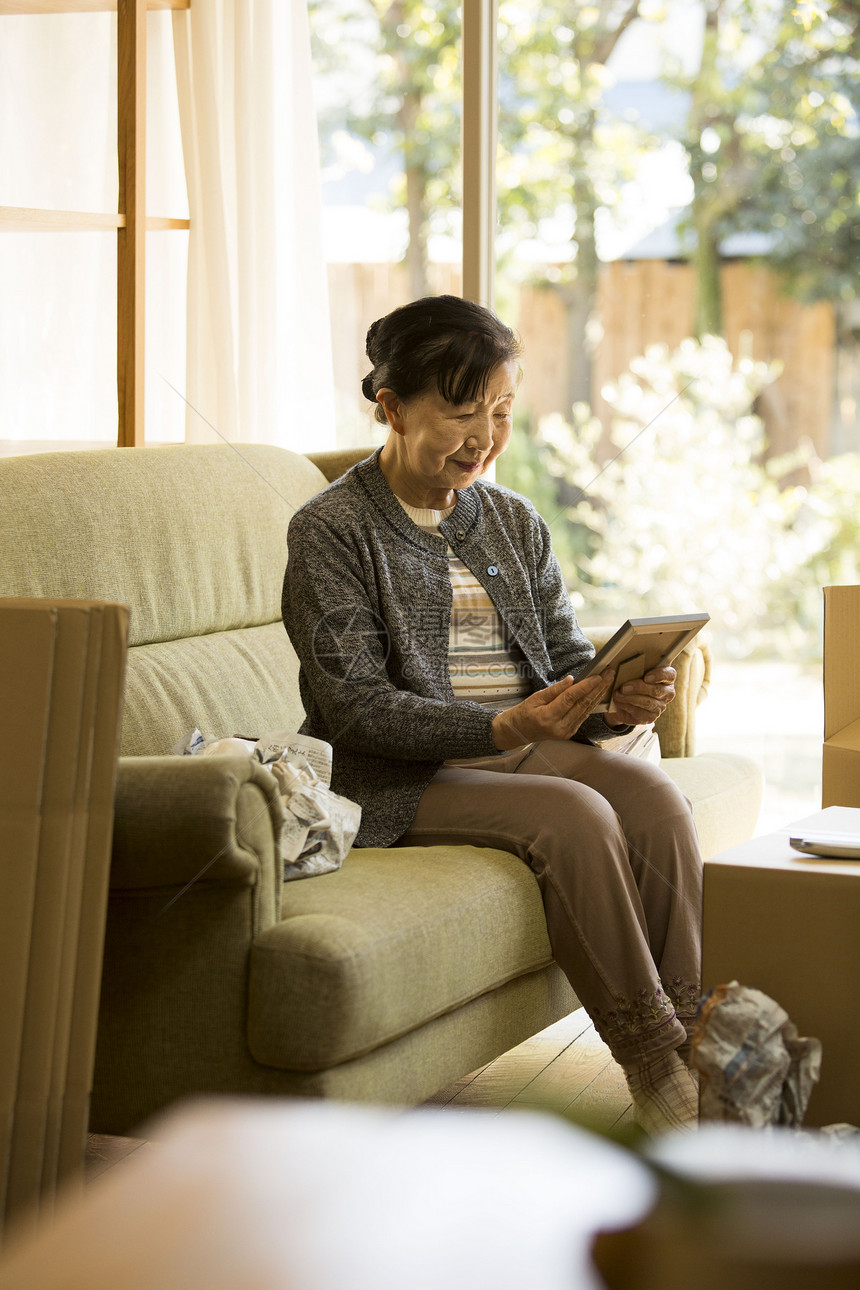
638 703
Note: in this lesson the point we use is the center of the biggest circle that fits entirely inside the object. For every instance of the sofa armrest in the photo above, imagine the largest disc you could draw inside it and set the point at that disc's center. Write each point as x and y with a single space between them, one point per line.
676 728
207 820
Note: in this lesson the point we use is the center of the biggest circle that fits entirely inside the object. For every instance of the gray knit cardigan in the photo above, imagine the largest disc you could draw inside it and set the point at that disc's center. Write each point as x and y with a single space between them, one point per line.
367 602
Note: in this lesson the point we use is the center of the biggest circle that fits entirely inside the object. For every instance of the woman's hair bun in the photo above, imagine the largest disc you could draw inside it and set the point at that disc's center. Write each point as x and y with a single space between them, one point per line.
367 387
371 333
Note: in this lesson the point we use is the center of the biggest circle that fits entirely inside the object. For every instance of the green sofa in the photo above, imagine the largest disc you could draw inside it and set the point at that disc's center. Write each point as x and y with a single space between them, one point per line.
384 981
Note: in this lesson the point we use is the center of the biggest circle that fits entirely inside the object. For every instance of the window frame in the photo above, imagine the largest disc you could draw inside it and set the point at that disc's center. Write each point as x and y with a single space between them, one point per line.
479 148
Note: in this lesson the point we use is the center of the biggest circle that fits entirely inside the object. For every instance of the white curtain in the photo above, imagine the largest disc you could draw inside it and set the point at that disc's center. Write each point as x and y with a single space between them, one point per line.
57 289
258 342
258 358
58 151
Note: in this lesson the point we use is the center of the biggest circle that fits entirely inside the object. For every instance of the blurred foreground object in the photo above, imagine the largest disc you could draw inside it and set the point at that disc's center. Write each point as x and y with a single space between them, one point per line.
754 1068
744 1210
244 1195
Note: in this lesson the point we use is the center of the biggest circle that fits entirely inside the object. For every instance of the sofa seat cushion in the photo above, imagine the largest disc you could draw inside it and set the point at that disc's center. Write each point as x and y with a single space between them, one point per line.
396 937
725 790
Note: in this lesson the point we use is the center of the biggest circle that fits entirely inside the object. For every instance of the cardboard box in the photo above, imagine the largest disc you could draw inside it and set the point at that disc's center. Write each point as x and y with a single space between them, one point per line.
840 769
62 666
58 856
27 644
786 923
106 727
70 931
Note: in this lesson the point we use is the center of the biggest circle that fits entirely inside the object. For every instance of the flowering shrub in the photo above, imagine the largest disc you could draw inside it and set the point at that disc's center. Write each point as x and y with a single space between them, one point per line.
684 512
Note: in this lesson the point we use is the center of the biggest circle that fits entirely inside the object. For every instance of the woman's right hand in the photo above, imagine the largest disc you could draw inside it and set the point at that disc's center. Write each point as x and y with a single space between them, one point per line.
554 713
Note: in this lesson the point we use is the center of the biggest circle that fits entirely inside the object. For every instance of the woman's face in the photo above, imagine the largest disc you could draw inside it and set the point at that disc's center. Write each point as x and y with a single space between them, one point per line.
445 446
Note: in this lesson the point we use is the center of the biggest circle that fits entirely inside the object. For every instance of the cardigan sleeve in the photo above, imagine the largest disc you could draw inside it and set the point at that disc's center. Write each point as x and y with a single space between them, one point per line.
350 687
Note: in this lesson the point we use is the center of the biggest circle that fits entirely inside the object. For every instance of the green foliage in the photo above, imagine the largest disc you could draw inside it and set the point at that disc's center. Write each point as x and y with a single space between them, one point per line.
562 155
395 71
772 142
420 96
811 204
688 514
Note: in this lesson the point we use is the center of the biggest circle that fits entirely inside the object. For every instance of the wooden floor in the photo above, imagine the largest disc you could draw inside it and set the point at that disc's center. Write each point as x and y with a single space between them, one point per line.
566 1068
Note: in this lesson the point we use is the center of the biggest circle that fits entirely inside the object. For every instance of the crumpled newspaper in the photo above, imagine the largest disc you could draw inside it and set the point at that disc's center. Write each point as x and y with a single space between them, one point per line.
319 825
754 1068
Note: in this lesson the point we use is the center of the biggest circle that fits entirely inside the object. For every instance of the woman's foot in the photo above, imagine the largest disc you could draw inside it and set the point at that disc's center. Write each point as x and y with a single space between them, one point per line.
665 1094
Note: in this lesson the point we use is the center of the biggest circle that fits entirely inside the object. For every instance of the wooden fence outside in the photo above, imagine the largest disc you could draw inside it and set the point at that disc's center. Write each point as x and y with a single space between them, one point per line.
647 302
640 303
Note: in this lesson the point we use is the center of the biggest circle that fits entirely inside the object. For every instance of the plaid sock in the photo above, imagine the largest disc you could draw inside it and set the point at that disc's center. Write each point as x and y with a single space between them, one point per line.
665 1094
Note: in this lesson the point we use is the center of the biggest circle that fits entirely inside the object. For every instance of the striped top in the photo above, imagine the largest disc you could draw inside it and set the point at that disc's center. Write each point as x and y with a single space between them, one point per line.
483 666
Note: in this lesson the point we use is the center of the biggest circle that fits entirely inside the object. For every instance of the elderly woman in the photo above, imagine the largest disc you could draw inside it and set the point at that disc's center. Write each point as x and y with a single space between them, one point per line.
439 652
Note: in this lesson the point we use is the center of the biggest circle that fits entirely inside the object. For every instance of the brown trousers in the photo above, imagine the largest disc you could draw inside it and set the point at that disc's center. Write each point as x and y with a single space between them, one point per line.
612 843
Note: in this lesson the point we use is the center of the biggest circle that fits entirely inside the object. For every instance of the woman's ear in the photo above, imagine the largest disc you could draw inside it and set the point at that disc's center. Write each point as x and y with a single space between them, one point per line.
393 409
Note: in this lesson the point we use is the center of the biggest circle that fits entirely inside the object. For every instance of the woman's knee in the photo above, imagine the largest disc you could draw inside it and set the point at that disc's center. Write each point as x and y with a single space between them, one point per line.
575 824
644 778
563 801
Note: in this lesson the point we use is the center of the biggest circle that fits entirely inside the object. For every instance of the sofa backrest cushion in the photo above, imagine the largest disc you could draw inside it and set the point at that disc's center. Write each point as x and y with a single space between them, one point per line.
227 683
193 538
